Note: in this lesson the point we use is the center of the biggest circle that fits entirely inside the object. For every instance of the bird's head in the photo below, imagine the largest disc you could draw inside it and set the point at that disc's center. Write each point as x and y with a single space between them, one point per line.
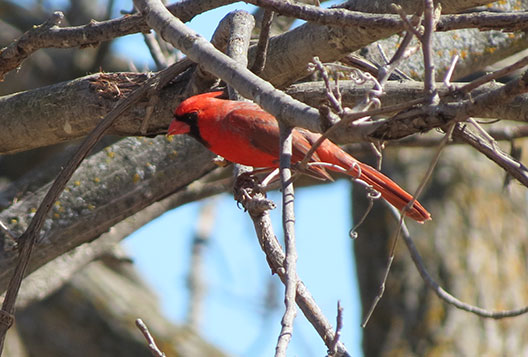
186 115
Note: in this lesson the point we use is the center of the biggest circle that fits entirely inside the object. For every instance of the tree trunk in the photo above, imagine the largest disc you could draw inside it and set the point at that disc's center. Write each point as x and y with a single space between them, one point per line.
476 250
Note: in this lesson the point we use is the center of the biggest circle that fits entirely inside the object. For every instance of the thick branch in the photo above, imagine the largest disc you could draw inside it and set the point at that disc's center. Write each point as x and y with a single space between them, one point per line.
50 277
511 21
49 35
113 184
250 86
50 115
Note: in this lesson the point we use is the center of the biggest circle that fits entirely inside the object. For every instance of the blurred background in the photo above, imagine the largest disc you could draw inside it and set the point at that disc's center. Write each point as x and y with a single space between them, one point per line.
196 275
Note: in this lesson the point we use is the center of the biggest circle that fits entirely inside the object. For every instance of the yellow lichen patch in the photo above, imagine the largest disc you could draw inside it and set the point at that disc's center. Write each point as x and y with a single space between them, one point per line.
32 210
91 207
110 153
455 36
490 49
56 215
136 178
14 221
173 154
463 54
169 138
453 52
511 35
57 204
96 180
77 183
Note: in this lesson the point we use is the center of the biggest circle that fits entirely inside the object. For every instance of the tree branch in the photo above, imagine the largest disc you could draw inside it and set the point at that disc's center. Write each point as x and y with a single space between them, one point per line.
484 21
49 35
250 86
288 226
30 236
258 206
440 292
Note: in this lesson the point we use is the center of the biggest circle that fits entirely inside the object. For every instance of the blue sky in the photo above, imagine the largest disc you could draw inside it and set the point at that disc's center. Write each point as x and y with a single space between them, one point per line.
237 275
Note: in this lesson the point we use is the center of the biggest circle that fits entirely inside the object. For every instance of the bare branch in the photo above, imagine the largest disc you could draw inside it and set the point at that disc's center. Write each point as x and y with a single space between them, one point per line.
49 35
440 292
156 352
511 21
401 221
423 119
28 239
288 225
155 51
258 206
51 114
426 40
339 326
12 55
512 166
523 62
250 86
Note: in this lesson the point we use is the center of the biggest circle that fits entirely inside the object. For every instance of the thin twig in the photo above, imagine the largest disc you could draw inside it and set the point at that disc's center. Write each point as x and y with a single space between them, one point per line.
288 224
258 207
397 233
494 75
512 166
426 40
12 55
400 54
156 352
339 327
440 292
409 26
336 104
449 73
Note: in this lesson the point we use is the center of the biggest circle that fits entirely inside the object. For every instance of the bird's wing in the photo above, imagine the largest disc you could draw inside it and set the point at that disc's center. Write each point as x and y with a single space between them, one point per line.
262 131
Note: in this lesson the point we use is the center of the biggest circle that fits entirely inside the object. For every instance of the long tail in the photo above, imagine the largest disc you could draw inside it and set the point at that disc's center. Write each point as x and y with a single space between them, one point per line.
389 190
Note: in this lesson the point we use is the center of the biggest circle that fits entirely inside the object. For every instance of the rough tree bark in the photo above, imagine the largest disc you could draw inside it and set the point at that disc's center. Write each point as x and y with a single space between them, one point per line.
475 245
477 252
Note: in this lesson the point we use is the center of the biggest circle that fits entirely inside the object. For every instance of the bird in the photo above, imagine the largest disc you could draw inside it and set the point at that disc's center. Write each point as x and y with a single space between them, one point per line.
242 132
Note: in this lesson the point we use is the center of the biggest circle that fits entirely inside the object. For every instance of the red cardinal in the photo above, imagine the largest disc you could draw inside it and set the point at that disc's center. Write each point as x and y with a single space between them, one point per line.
242 132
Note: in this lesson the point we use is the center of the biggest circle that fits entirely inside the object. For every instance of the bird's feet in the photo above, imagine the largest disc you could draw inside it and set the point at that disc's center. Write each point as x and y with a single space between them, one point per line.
248 192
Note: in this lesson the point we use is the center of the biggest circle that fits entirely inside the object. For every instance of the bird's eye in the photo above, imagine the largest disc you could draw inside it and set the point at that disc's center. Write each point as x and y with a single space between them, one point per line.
189 118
